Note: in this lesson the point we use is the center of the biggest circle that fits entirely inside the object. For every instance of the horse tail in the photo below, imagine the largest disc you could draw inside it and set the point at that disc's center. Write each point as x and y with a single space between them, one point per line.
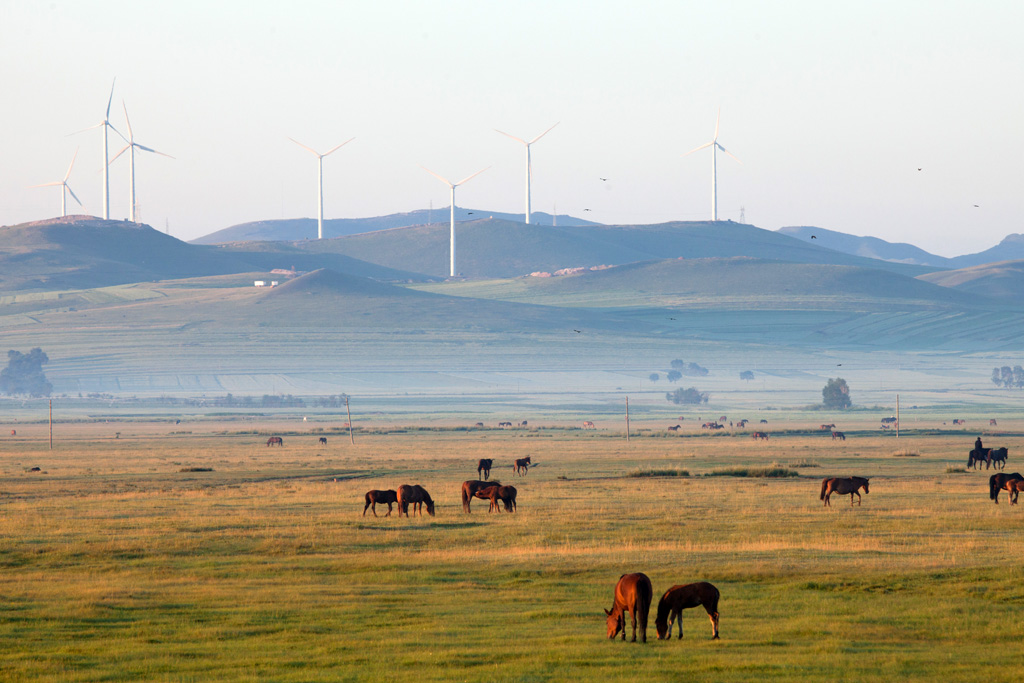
646 597
824 486
993 490
465 498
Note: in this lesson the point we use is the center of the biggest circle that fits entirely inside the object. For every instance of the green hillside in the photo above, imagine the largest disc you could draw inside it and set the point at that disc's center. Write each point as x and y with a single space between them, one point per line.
492 248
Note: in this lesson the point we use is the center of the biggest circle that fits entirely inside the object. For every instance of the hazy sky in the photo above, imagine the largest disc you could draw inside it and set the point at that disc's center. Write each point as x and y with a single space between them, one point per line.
831 106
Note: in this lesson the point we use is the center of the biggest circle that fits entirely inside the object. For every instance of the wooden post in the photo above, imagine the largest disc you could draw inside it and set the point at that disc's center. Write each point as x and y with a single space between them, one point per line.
627 419
897 416
351 439
51 424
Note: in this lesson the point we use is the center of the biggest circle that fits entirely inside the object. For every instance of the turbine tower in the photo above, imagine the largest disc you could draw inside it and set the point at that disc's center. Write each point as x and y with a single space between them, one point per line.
130 148
106 163
65 188
529 167
320 183
453 186
714 165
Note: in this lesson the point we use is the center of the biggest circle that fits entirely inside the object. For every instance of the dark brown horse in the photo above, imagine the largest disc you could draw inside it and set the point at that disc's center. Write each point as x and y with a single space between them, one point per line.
470 488
483 468
760 435
521 466
486 494
275 441
974 458
843 485
375 496
415 495
505 494
998 482
323 440
678 598
633 594
997 456
838 435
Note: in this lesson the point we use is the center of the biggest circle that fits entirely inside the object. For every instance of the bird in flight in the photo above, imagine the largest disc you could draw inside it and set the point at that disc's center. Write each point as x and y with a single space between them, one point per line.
975 206
603 179
814 237
586 209
918 169
576 331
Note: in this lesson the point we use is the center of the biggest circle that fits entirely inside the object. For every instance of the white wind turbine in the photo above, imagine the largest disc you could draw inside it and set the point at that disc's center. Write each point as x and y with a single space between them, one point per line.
453 186
65 188
106 163
320 183
130 148
714 165
529 167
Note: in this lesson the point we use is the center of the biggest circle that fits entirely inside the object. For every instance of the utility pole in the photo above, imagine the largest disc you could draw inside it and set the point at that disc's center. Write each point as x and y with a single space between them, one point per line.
627 419
51 424
351 439
897 416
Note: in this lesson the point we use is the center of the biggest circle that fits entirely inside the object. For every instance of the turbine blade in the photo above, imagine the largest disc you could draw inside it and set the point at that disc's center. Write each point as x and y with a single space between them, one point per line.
707 144
466 180
304 147
727 152
131 136
339 146
71 165
150 149
102 123
542 134
111 96
717 121
511 136
117 131
47 184
439 177
73 195
125 149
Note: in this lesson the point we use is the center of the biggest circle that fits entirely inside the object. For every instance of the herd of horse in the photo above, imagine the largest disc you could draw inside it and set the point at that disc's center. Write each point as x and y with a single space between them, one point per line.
406 495
634 595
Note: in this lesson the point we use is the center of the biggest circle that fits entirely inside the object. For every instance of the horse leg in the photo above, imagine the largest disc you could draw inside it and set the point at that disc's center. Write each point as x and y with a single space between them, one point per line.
679 623
828 494
632 614
389 511
364 509
714 625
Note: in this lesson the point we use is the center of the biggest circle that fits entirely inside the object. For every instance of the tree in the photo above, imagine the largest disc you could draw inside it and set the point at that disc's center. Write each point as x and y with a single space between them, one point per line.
24 374
678 364
997 378
747 375
674 375
688 396
654 377
1007 375
836 394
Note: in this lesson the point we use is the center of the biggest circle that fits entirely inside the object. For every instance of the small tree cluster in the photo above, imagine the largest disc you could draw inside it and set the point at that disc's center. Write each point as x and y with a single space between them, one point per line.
24 374
1010 378
687 396
689 369
836 394
747 375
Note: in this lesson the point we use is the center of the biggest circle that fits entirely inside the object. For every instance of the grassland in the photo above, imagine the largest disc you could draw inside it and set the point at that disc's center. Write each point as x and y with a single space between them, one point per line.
117 565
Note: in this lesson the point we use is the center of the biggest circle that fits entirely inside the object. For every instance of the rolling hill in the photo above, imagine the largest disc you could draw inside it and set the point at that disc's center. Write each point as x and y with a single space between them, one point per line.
1010 249
1004 280
869 247
293 229
83 252
492 248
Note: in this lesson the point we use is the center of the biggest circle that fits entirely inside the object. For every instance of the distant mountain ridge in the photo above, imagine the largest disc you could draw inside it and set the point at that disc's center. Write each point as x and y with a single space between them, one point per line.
869 247
293 229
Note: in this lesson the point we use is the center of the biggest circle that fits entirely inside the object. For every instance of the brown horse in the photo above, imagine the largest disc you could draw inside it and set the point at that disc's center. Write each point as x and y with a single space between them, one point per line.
470 488
323 440
483 468
505 494
486 494
417 496
275 441
998 482
997 456
843 485
760 435
633 594
521 466
375 496
678 598
838 435
974 458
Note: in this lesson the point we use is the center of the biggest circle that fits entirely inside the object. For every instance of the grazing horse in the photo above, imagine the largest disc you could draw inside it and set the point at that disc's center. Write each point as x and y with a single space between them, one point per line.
838 435
674 428
825 427
417 496
992 423
505 494
998 482
483 468
524 423
374 497
521 466
760 435
470 488
843 485
633 594
587 424
678 598
323 440
1014 487
275 441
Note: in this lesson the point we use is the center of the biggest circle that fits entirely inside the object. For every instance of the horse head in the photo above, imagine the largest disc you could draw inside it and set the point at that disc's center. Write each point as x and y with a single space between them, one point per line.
614 624
430 507
866 485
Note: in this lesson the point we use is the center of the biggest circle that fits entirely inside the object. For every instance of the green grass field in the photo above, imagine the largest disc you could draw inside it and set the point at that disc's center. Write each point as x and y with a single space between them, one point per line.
115 564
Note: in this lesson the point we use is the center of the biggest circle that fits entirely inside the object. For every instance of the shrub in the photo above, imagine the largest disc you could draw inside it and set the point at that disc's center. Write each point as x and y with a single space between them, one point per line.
662 472
775 470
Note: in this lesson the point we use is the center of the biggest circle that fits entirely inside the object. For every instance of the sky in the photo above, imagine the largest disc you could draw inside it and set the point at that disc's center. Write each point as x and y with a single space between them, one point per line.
901 120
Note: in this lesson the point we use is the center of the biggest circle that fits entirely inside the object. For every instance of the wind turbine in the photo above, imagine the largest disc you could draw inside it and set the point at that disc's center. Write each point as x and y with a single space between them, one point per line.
65 188
714 165
529 167
453 186
106 163
130 148
320 183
